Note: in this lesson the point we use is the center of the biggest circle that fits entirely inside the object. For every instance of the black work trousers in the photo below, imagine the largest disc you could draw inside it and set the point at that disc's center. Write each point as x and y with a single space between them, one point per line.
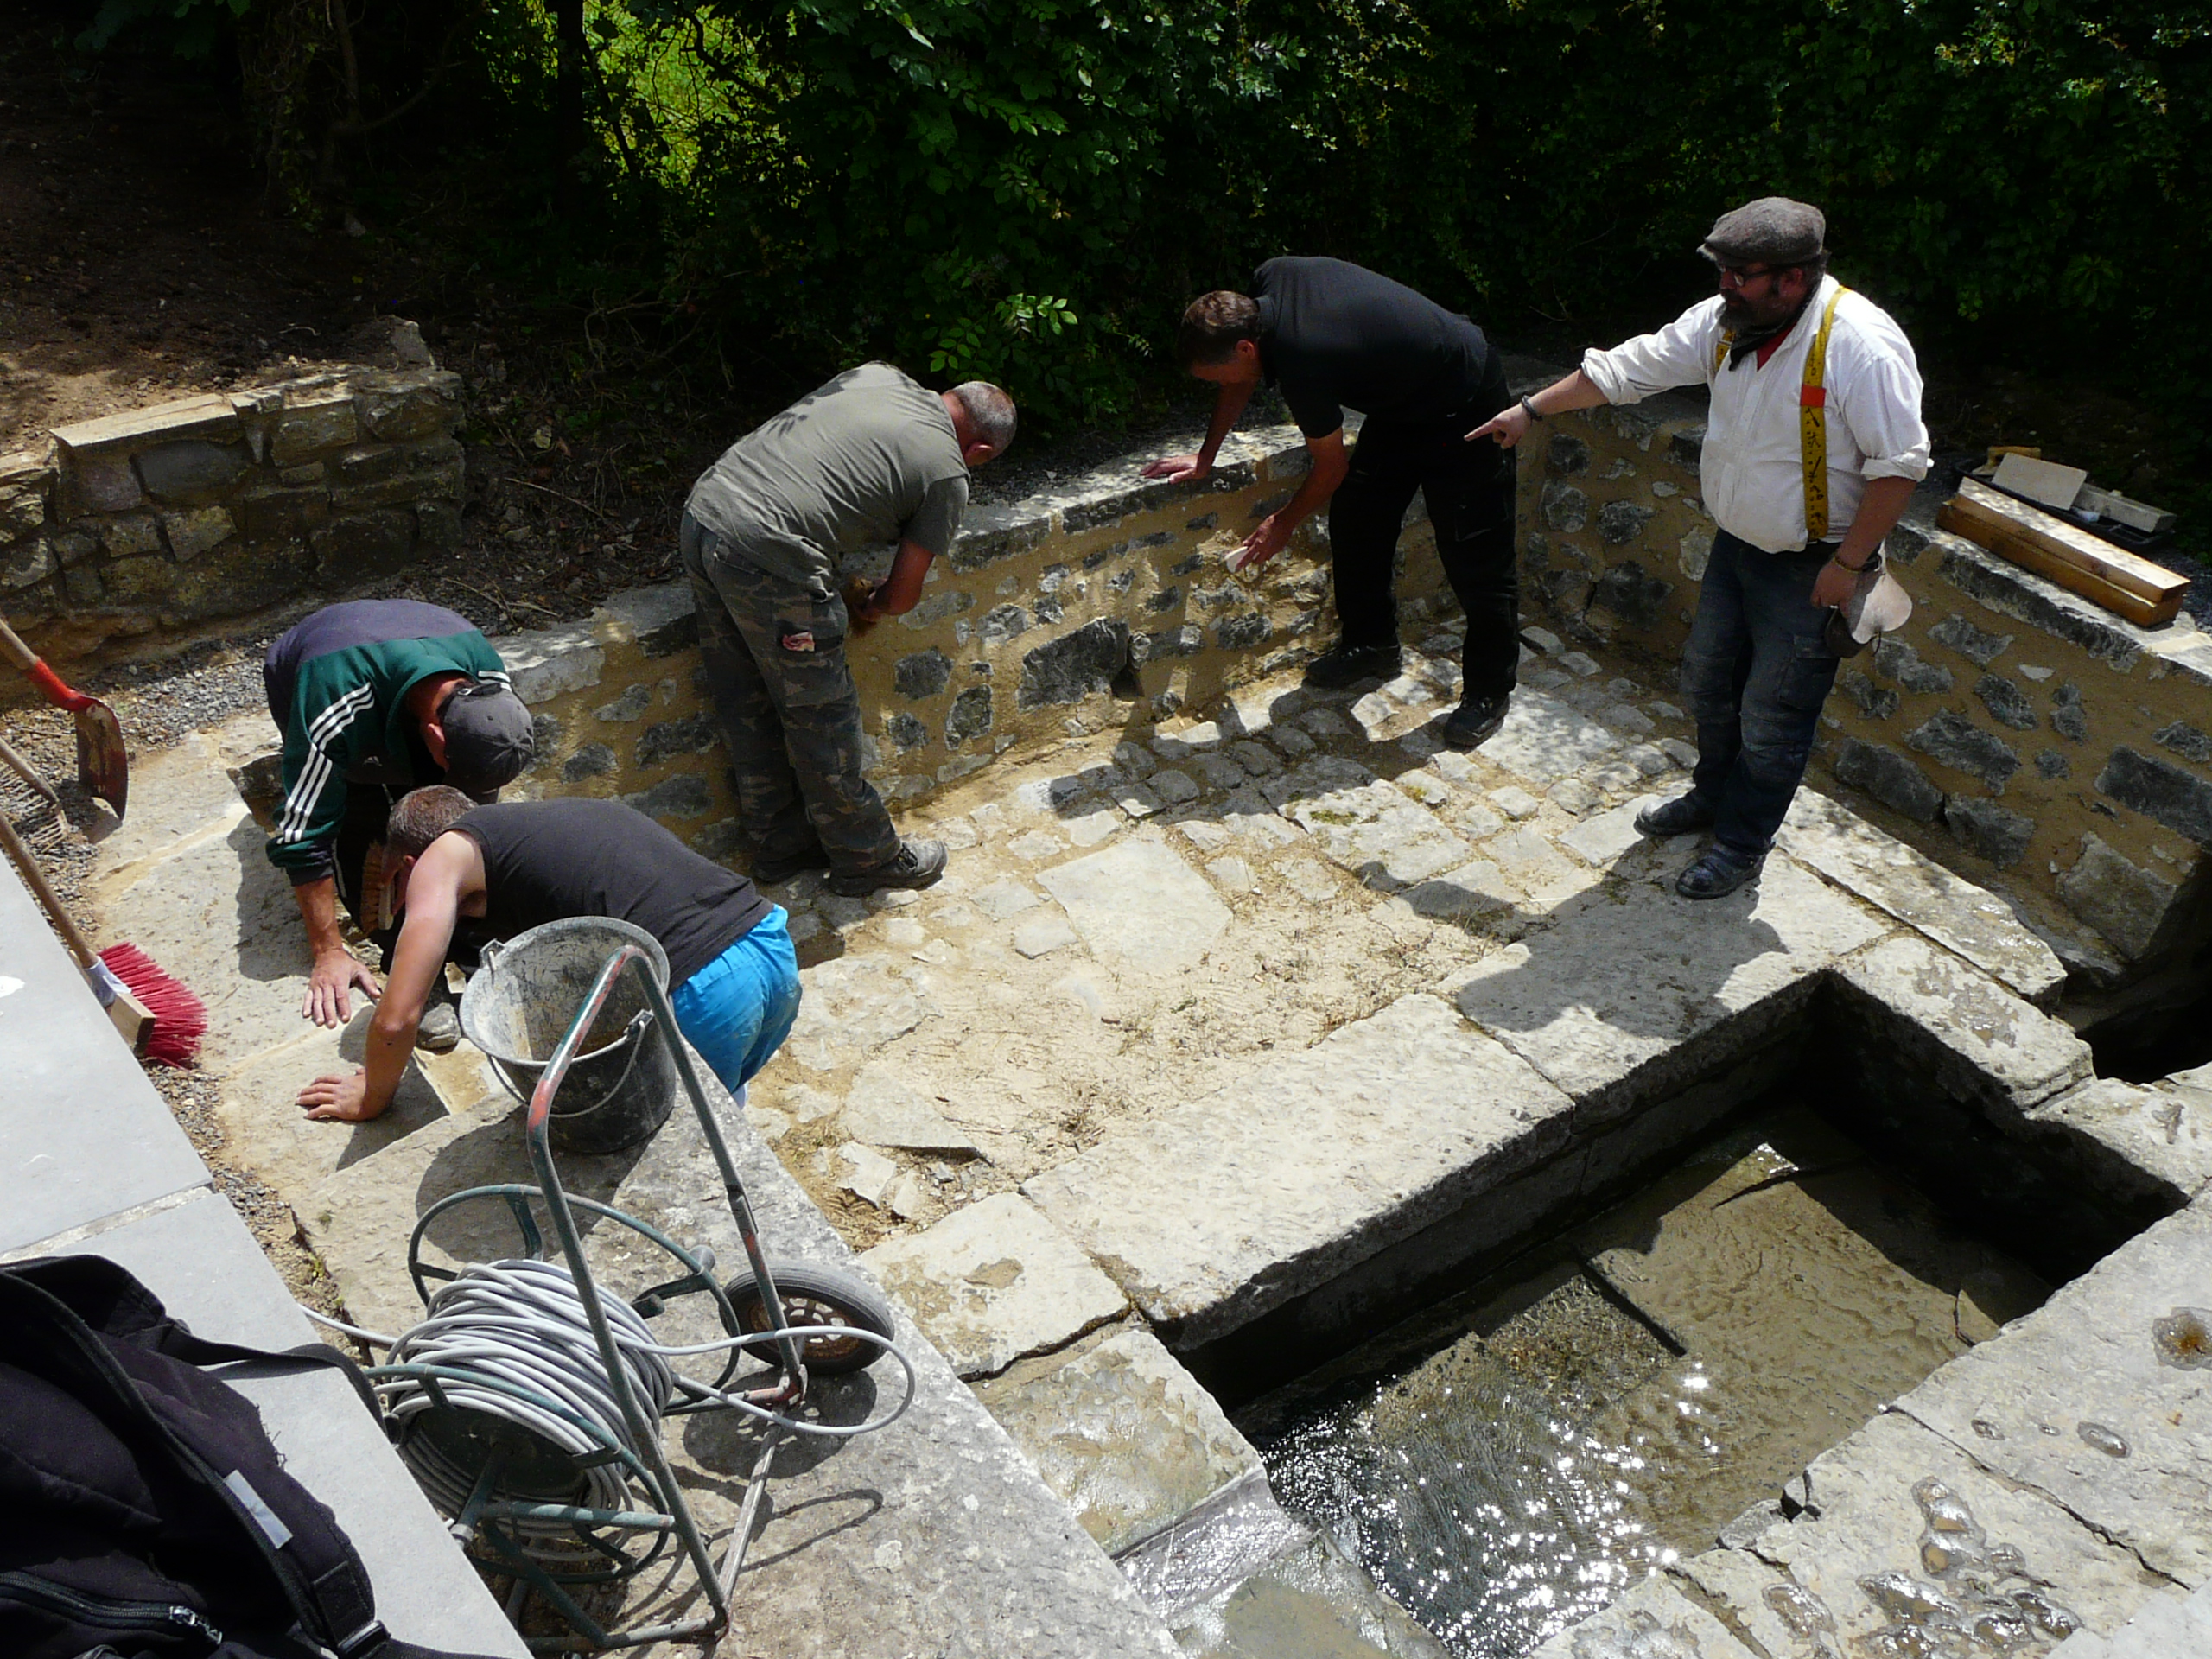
1468 489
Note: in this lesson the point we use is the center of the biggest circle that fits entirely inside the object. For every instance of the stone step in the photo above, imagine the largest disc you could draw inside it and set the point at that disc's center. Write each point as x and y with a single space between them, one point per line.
1212 1213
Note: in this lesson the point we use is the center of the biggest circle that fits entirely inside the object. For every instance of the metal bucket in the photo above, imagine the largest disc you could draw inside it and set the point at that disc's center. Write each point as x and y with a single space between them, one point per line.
518 1006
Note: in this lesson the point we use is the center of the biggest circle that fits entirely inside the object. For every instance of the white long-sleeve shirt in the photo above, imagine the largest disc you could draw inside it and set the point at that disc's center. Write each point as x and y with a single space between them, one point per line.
1753 469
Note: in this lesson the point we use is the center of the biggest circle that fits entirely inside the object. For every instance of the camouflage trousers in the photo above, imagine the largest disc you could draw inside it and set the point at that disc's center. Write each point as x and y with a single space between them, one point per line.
774 653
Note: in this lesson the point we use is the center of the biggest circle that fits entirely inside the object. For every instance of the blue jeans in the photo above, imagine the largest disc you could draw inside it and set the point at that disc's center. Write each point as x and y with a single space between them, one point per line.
737 1010
1755 674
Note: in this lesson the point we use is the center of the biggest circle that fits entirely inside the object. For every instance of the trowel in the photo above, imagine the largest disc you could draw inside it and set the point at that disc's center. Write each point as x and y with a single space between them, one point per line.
102 767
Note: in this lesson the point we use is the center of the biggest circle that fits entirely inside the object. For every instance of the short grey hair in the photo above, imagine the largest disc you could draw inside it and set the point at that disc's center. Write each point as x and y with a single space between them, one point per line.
990 412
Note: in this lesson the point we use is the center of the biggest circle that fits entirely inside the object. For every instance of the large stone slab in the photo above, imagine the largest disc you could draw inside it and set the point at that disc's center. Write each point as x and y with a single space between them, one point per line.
993 1281
1894 877
1138 906
1636 1000
1213 1213
2099 1398
83 1136
1909 1536
213 912
1543 739
1121 1432
853 1006
933 1537
1380 835
1653 1621
200 1260
2142 1141
264 1129
885 1110
1979 1041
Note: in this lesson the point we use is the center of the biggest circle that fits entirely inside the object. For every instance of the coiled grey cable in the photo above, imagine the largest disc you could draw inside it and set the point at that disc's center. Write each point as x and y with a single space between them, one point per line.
520 1326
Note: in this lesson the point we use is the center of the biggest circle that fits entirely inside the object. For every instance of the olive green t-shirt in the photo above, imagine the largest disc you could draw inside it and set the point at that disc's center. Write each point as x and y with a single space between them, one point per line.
871 457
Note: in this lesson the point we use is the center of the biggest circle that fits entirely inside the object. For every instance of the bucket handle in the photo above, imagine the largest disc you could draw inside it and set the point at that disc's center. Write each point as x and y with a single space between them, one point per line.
635 1033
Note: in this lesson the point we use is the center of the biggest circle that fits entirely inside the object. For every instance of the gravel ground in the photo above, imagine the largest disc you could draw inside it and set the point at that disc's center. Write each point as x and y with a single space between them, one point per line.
164 708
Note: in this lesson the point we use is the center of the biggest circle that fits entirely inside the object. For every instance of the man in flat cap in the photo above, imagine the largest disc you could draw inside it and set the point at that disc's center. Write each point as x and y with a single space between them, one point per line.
376 698
1812 448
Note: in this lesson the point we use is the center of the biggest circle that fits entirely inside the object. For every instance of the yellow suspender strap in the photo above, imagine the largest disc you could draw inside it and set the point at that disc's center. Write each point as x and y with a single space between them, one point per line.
1812 417
1813 425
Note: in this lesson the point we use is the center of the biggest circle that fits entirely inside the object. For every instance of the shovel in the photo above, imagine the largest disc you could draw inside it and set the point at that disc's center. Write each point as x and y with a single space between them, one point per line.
102 767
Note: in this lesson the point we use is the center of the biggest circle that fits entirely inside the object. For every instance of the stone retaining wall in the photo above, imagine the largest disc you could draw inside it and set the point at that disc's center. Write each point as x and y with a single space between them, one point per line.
227 504
1104 602
2042 746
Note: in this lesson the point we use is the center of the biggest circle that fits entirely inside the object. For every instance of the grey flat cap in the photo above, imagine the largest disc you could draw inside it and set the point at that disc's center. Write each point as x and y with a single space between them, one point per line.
1772 231
489 737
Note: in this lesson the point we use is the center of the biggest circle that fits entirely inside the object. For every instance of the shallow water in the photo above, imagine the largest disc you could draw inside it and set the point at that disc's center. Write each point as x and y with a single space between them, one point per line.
1510 1463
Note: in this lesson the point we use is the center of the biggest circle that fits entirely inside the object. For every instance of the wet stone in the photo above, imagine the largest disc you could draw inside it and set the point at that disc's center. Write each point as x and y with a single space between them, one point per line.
1911 1544
2066 1389
1120 1432
993 1281
1652 1621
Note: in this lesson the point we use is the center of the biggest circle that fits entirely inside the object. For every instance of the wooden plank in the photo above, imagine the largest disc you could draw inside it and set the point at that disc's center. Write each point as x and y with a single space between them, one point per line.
2031 556
1994 514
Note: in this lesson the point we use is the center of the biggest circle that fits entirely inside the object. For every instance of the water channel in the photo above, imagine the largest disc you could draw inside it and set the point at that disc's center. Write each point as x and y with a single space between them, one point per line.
1507 1463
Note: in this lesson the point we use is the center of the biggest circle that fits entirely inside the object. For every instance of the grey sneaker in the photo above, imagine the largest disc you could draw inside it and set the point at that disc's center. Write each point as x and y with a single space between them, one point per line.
919 863
440 1030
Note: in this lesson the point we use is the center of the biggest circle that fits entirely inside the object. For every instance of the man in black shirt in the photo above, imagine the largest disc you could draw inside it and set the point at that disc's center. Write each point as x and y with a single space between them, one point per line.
732 977
1329 334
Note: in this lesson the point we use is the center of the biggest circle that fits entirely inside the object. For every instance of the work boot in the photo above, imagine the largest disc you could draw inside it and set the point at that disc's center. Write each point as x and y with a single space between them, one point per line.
918 864
767 872
1717 875
1683 816
439 1032
1475 721
1344 665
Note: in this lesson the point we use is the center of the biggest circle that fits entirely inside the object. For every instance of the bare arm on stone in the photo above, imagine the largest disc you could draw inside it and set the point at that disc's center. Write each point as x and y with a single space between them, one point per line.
1228 406
434 889
337 972
1508 426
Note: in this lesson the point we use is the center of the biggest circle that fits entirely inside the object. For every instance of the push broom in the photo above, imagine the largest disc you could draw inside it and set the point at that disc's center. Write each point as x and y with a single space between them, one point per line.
158 1017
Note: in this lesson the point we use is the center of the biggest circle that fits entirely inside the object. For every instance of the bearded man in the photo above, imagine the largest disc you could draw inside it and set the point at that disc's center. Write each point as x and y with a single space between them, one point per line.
1812 448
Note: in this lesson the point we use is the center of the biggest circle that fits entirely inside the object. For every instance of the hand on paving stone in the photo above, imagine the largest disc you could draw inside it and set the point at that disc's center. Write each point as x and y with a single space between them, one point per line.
336 975
1175 469
342 1097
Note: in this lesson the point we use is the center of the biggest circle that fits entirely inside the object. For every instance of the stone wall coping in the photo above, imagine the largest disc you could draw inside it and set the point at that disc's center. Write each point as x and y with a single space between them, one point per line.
211 416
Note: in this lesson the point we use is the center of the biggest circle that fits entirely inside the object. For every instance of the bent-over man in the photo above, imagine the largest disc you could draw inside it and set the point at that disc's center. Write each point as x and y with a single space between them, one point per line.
732 977
1812 448
869 458
375 698
1329 335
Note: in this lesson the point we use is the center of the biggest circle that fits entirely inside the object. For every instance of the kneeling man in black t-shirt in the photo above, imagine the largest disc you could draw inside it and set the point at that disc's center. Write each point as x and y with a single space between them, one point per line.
732 977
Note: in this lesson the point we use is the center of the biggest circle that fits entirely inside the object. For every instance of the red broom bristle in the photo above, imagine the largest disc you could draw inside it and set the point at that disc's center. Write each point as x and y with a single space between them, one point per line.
180 1018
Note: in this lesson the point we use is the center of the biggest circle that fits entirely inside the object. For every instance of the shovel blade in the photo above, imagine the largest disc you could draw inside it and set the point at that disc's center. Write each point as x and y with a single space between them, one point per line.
102 767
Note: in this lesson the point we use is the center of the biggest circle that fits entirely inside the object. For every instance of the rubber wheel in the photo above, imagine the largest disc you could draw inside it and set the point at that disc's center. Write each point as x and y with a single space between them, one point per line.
814 1295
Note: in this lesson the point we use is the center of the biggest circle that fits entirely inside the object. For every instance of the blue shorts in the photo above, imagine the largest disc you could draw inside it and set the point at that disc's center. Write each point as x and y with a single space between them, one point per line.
737 1010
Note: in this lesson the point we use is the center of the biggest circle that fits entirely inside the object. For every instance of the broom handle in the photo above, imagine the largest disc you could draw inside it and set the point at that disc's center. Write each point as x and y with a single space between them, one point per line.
35 878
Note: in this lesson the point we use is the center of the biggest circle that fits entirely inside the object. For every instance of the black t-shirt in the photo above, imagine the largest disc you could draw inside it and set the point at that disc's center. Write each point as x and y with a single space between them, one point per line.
546 860
1335 335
